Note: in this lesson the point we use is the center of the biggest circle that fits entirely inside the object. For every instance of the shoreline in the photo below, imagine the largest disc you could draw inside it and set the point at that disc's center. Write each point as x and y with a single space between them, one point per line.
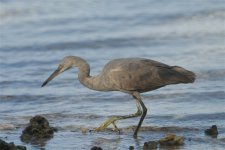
193 138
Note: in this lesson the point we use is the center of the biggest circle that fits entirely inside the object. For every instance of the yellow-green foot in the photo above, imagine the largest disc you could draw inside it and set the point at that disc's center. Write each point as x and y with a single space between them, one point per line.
106 124
115 127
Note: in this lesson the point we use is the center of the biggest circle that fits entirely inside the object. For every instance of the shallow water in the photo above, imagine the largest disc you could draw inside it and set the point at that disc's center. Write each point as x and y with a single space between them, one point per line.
35 36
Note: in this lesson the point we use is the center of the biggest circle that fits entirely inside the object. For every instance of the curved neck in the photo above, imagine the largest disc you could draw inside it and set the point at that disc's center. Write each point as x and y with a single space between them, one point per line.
94 83
84 68
84 72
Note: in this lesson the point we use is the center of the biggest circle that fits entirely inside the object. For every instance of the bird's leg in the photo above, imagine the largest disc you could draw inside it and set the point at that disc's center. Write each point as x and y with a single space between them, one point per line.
139 110
113 119
138 113
144 112
115 127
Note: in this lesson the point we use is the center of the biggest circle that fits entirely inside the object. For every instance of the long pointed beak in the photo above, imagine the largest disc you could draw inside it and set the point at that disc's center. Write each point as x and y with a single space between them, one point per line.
53 75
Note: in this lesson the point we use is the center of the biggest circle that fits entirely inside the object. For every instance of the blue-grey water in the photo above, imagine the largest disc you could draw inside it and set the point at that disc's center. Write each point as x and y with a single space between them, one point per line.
36 35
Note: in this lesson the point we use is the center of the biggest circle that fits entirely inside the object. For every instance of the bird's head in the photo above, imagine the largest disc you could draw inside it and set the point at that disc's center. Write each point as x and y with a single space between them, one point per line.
65 64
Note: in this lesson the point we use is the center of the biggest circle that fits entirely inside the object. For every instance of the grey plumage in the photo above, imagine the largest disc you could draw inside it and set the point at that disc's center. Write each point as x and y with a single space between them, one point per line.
129 75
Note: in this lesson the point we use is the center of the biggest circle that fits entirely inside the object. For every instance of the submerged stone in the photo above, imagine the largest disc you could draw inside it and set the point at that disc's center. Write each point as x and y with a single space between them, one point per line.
151 145
131 148
212 131
96 148
10 146
7 127
171 140
37 129
84 130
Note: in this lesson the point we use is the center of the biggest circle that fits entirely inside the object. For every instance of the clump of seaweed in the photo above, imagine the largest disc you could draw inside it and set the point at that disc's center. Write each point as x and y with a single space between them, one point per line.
10 146
171 140
150 145
213 132
37 129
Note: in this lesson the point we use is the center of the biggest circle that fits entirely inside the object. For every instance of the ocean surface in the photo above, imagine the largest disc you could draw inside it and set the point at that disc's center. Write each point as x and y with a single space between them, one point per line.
36 35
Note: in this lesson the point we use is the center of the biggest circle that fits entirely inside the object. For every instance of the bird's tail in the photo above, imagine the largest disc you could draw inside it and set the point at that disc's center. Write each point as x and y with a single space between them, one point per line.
185 76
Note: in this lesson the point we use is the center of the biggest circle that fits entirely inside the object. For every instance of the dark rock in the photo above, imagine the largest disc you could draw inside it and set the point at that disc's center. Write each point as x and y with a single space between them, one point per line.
212 131
150 145
19 147
171 140
10 146
131 148
37 129
96 148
